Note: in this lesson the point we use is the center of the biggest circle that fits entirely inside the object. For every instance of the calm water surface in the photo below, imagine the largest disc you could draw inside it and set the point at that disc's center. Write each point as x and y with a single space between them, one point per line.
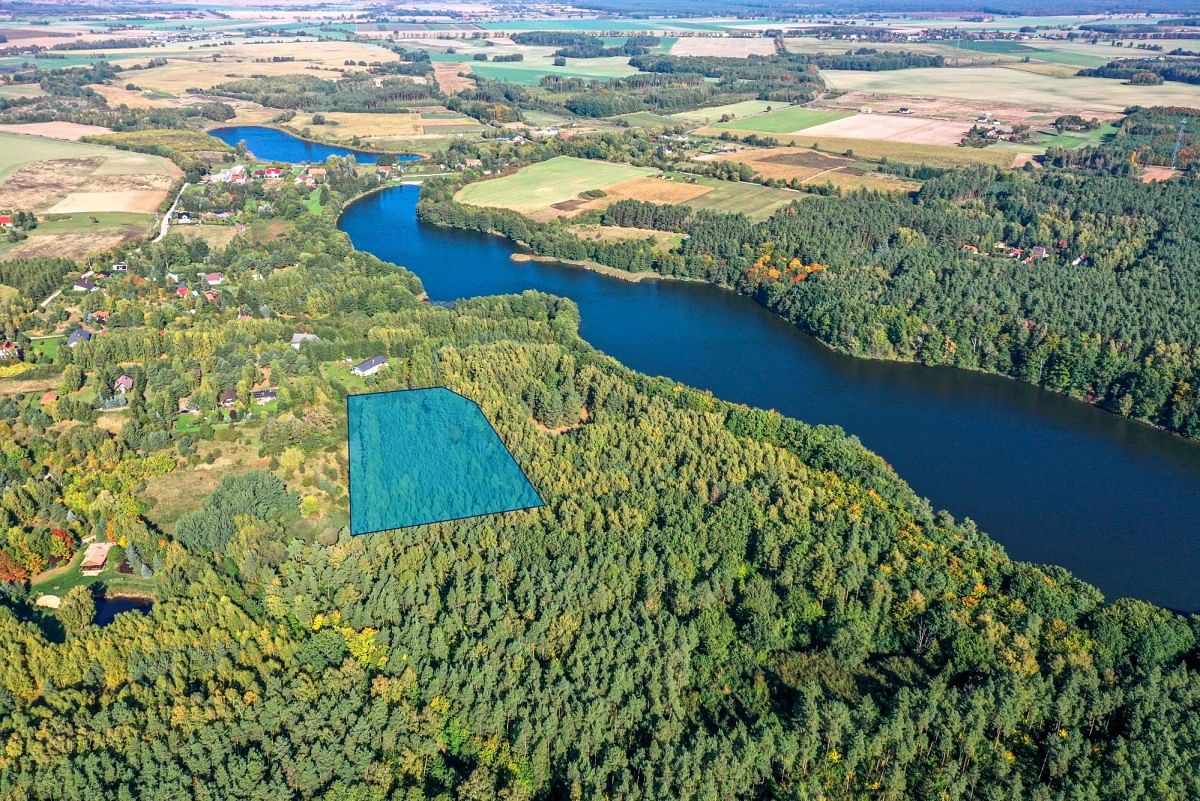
1056 481
272 145
108 608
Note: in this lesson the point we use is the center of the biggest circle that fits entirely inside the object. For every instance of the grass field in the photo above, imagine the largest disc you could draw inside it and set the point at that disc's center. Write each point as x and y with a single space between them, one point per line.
538 187
384 127
904 152
785 120
756 202
712 114
1086 96
809 166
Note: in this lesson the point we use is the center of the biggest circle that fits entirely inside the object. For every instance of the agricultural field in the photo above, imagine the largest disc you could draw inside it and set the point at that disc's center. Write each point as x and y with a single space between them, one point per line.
723 46
550 188
755 201
382 128
448 77
893 128
812 167
713 114
997 85
204 70
67 131
903 152
785 120
88 197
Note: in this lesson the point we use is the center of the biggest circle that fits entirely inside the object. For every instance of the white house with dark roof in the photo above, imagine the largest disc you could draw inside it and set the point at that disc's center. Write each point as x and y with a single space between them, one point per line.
370 367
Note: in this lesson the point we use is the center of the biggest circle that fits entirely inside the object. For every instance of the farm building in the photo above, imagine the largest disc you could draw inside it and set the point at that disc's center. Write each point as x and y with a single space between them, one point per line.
370 366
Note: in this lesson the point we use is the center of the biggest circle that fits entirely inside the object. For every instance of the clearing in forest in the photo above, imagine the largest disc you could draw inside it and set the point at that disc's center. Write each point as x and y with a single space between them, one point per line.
723 46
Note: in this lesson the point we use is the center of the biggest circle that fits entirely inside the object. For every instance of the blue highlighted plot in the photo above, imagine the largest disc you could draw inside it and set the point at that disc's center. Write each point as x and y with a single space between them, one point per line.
426 456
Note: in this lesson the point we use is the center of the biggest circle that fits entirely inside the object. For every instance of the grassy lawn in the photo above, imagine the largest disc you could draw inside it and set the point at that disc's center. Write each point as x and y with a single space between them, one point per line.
88 221
541 185
47 349
63 582
646 119
1072 139
340 372
785 120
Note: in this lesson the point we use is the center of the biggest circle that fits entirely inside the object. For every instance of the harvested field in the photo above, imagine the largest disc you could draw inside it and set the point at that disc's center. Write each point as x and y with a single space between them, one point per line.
656 190
723 46
384 126
1086 96
144 201
809 166
446 73
893 128
117 96
69 246
942 108
67 131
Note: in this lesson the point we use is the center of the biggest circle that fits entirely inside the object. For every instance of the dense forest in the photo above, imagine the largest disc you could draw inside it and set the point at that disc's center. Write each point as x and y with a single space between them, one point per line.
1082 283
715 602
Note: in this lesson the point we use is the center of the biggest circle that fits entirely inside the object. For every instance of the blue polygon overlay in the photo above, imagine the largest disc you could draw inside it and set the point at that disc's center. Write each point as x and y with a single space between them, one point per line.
426 456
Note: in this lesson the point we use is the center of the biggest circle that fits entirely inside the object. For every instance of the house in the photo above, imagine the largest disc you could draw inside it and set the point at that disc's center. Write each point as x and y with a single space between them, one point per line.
6 220
211 295
260 174
173 278
227 398
185 406
264 396
370 367
273 172
214 279
237 175
120 267
77 336
182 291
183 217
123 384
1039 252
49 397
1078 260
1016 253
98 316
299 338
970 249
316 173
9 351
95 558
85 285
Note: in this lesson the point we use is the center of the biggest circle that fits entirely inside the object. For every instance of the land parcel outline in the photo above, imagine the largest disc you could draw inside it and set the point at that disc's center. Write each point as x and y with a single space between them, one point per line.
422 456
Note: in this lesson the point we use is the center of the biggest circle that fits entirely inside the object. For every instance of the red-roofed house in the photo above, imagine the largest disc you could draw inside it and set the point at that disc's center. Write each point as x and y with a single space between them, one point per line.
214 279
182 291
273 172
5 219
123 384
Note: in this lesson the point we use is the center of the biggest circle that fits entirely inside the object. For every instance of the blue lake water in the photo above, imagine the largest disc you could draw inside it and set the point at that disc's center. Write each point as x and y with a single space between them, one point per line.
270 144
1054 480
426 456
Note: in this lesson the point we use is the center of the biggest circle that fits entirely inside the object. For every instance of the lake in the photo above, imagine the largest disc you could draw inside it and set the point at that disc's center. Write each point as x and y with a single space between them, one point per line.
1054 480
270 144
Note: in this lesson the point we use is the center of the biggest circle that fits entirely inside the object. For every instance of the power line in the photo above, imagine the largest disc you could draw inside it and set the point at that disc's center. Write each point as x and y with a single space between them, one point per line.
1178 143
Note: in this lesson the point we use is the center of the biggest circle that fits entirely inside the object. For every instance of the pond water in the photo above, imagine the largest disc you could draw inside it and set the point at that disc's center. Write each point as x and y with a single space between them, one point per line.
270 144
108 608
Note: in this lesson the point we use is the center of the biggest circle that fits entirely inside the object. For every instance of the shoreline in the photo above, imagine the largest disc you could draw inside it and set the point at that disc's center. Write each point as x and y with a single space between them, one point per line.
295 134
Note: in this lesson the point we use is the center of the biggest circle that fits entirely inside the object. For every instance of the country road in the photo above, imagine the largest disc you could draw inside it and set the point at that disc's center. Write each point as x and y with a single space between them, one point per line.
165 225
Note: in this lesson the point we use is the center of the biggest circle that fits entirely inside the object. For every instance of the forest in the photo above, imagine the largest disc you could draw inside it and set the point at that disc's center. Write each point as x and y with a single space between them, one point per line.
715 602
